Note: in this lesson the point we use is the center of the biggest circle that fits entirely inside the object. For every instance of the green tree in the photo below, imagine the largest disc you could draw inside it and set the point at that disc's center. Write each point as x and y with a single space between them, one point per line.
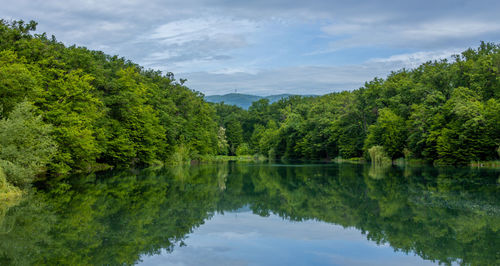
135 135
222 145
17 81
69 104
243 149
25 145
390 132
467 136
234 135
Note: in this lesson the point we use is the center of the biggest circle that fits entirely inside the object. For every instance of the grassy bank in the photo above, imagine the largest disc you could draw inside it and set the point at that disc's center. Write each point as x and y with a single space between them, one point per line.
486 164
9 195
238 158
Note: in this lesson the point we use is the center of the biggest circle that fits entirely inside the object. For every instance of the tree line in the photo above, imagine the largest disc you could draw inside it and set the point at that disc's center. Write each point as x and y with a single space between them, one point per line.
442 112
69 109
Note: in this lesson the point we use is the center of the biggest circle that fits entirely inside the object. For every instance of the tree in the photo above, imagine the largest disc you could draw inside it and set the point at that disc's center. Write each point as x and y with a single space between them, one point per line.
390 132
136 123
69 104
234 135
222 145
25 144
16 81
466 137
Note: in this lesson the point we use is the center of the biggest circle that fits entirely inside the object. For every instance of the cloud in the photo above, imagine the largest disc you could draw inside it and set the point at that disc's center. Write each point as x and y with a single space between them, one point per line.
247 239
458 28
268 46
309 79
295 80
412 60
434 34
222 30
196 42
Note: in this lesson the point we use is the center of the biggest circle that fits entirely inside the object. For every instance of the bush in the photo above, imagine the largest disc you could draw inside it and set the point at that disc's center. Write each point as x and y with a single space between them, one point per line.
9 195
180 155
378 156
243 149
3 180
271 154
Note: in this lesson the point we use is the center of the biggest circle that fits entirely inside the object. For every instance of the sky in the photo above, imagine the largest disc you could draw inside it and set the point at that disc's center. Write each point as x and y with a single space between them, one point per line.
266 47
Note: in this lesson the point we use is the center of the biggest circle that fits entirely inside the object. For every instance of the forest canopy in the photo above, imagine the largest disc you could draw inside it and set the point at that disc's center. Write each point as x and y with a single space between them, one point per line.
442 112
89 109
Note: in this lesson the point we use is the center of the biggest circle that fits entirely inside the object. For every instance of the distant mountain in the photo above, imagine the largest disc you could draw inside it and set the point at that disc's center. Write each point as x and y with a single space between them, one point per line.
243 100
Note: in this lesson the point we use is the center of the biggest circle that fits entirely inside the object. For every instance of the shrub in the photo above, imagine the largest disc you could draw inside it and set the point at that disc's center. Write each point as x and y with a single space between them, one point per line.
243 149
9 195
180 155
3 180
378 156
271 154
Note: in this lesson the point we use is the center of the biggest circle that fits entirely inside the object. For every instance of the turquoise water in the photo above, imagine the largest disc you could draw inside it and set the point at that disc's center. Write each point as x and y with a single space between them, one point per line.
259 214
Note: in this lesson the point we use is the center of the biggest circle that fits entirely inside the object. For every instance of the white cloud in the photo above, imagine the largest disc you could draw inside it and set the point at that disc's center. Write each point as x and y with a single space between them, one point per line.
196 43
430 34
247 239
457 28
342 28
201 29
213 42
412 60
236 70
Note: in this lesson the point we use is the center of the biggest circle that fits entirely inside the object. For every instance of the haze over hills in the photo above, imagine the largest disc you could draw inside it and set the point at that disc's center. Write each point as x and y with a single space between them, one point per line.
243 100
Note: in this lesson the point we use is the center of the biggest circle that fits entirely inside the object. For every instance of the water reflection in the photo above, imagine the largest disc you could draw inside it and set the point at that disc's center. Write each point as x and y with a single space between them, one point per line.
442 215
243 238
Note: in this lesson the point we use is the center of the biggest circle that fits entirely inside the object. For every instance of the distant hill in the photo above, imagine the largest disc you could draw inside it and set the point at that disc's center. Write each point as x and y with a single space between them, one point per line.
243 100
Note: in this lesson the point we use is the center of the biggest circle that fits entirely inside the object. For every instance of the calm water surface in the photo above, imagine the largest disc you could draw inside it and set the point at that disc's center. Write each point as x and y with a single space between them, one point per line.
259 214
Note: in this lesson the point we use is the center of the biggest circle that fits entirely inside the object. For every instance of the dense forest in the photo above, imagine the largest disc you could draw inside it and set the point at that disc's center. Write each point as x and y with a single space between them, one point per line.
70 109
440 112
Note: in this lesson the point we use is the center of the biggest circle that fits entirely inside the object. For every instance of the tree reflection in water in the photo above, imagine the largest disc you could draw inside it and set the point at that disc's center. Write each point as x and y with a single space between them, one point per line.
441 214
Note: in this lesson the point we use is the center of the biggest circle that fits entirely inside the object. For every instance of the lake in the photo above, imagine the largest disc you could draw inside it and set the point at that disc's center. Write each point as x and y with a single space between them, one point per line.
258 214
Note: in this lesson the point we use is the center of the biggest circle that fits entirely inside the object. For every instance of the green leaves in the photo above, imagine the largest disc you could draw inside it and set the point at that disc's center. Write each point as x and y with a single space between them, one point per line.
17 81
441 112
466 136
70 105
390 132
25 144
103 109
107 110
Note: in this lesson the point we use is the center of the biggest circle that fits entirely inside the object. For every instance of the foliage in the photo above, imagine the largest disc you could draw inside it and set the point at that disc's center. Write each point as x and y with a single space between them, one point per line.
106 110
180 155
222 145
25 144
443 112
3 180
103 110
378 156
243 149
389 132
